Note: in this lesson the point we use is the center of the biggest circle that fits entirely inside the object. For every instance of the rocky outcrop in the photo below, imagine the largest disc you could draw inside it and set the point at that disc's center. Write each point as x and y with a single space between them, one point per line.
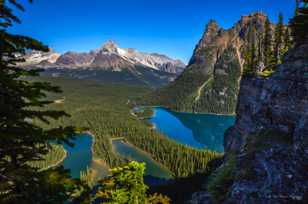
210 83
269 141
270 137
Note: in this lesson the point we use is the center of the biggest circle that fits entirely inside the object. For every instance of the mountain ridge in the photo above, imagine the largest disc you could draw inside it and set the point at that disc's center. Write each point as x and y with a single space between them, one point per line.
210 83
109 56
108 64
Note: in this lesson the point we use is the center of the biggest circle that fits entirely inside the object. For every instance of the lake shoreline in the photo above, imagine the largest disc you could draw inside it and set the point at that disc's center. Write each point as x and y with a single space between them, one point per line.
145 153
185 112
96 159
149 156
203 113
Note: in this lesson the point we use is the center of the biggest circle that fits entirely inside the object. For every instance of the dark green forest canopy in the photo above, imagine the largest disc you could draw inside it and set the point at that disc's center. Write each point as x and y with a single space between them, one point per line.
299 23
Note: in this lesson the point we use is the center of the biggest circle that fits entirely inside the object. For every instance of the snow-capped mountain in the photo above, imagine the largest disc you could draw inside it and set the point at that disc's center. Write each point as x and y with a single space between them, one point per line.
154 61
37 57
108 57
108 64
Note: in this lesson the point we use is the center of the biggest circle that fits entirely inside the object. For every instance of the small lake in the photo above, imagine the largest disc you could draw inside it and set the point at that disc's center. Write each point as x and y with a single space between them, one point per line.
79 157
153 168
194 130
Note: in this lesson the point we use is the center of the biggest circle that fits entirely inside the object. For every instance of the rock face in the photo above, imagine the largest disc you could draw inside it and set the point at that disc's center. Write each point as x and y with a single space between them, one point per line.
269 140
210 83
270 136
74 60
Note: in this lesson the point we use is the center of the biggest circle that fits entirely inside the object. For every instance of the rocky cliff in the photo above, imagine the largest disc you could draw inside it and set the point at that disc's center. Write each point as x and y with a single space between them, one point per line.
210 83
268 145
271 135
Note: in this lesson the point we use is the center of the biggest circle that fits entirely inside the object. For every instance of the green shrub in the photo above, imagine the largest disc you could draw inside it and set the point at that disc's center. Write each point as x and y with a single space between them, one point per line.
126 186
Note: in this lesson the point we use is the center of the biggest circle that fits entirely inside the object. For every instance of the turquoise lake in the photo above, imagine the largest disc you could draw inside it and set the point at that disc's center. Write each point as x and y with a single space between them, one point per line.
194 130
79 157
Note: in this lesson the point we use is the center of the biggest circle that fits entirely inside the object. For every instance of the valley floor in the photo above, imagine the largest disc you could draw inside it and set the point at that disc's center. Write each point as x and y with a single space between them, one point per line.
105 111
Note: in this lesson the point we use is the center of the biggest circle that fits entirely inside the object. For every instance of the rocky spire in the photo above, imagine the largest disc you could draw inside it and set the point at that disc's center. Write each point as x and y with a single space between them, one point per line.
210 31
110 46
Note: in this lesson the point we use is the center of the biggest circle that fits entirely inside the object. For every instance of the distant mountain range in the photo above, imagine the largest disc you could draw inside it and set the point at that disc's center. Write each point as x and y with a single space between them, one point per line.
110 64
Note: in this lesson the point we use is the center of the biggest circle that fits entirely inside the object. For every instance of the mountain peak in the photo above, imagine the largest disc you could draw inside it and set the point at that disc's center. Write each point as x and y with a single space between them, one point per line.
245 19
212 26
110 46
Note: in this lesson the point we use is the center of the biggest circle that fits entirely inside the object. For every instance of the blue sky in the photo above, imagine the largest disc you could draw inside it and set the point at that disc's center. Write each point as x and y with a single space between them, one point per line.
171 27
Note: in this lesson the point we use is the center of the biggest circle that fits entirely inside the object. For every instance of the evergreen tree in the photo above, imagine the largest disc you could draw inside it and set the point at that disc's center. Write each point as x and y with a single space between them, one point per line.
260 51
296 7
254 62
267 45
299 24
21 139
287 41
247 65
278 46
250 66
126 186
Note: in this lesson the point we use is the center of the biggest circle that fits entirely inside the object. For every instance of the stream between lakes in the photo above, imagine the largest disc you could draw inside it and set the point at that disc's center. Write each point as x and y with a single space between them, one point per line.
194 130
